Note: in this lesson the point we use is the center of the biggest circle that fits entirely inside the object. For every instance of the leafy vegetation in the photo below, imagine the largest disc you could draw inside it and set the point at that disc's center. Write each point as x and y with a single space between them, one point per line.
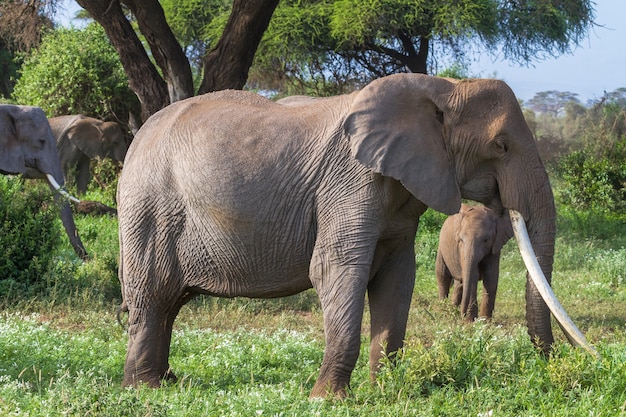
28 232
76 71
585 146
62 351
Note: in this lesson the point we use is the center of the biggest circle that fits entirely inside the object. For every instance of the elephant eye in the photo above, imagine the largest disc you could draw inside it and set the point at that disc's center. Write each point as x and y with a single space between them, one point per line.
502 145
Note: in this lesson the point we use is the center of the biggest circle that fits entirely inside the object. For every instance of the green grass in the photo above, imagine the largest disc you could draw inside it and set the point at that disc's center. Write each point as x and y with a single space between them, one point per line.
62 351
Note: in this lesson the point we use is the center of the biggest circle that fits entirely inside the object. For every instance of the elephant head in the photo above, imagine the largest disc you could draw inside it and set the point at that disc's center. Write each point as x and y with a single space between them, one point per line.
445 140
27 143
81 139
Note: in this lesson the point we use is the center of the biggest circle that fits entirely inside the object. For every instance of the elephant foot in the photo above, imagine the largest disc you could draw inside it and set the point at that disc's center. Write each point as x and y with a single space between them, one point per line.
170 376
328 390
151 380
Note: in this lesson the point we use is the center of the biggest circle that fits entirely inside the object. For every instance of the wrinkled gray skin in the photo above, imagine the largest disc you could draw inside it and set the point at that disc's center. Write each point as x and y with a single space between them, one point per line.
26 142
81 139
229 194
469 251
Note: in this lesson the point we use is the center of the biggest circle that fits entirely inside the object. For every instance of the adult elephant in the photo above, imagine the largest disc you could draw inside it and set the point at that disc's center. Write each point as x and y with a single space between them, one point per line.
469 251
27 142
81 139
230 194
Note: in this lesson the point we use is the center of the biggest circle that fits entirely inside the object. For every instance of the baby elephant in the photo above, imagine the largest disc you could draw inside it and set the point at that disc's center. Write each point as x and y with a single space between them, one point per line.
469 250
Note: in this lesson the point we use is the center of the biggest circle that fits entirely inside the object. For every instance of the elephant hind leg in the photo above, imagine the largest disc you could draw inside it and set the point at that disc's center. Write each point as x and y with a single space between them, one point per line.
148 352
150 335
457 293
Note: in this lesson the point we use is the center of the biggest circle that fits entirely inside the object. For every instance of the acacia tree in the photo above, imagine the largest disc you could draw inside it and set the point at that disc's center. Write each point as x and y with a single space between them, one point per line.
358 40
225 65
552 102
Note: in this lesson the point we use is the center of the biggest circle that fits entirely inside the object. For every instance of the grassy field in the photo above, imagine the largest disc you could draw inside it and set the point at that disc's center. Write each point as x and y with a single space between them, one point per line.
62 351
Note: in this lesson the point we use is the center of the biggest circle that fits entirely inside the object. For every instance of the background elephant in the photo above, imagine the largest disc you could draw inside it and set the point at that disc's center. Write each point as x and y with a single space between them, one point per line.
26 142
230 194
469 251
81 139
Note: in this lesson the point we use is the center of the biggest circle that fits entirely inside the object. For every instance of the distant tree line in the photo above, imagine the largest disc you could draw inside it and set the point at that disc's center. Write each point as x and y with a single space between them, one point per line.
584 145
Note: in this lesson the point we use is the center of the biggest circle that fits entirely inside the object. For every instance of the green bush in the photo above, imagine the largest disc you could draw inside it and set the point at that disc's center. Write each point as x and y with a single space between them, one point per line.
28 232
593 180
594 177
76 71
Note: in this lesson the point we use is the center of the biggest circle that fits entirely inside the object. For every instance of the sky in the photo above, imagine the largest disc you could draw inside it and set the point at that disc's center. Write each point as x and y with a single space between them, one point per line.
596 66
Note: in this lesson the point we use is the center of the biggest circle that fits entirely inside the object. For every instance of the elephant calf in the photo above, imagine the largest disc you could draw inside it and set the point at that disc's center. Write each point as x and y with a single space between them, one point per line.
469 250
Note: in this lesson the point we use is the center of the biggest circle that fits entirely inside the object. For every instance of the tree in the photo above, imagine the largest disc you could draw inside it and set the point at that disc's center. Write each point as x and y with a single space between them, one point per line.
357 40
21 21
552 102
225 65
76 71
21 26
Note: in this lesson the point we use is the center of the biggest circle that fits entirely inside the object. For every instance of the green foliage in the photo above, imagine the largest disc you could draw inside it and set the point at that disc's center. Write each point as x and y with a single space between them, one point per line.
595 175
311 44
76 71
457 70
29 233
8 70
595 181
197 25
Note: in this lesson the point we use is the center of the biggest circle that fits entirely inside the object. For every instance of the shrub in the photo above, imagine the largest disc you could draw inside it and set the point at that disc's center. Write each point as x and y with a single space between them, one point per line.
76 71
28 232
594 177
594 181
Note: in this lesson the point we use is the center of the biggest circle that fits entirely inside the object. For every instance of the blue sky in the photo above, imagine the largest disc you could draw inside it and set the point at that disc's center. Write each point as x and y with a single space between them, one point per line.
597 65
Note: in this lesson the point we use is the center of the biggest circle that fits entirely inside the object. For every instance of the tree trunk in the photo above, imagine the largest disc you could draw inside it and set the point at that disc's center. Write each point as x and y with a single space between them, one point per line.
415 60
166 50
143 77
227 65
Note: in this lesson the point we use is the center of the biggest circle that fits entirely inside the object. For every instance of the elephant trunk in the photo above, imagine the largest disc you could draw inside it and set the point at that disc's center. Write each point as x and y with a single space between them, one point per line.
469 276
67 218
542 231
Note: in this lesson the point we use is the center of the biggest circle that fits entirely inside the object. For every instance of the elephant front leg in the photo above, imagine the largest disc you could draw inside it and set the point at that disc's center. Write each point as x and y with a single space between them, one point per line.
444 278
389 294
83 175
490 272
341 290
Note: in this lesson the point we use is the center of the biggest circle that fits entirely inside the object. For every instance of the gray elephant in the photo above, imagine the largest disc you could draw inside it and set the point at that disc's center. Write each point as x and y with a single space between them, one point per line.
81 139
230 194
469 251
27 142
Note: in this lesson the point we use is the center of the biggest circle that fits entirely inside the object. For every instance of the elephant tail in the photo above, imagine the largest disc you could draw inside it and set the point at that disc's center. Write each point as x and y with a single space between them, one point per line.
123 308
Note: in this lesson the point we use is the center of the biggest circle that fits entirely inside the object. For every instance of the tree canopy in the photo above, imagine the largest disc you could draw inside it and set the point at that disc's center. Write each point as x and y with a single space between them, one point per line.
173 49
354 41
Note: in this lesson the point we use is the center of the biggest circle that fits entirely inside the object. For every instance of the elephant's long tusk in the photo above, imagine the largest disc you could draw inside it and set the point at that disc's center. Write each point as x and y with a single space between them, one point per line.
60 190
572 332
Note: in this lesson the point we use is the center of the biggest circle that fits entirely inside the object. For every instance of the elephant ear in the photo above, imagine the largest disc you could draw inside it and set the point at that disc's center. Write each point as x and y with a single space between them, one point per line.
87 136
504 232
395 126
11 153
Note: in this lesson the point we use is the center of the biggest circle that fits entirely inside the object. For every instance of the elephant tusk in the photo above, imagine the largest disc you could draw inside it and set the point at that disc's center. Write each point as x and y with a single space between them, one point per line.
60 190
572 332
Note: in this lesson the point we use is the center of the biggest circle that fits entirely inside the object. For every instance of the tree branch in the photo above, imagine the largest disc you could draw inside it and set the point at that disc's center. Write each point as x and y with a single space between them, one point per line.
143 78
